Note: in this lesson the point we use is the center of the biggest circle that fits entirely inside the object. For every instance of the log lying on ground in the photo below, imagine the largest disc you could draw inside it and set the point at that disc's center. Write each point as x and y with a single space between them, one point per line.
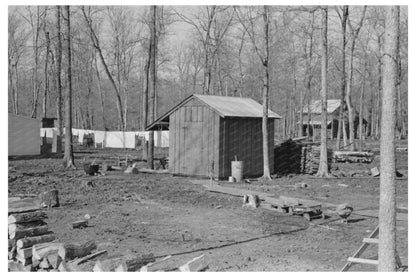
124 263
40 251
80 224
18 231
28 242
353 156
27 217
24 205
49 198
70 251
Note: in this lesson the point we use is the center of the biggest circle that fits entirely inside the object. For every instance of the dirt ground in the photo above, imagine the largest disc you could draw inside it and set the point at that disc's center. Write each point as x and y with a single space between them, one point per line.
166 215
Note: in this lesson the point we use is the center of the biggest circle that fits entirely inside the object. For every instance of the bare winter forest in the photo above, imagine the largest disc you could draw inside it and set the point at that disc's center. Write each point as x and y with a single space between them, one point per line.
208 138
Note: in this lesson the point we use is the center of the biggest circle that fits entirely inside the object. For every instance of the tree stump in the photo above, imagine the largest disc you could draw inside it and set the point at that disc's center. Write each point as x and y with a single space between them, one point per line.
49 198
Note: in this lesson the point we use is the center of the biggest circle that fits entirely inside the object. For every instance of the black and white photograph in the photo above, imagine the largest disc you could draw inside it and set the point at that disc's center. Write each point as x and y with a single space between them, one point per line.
207 136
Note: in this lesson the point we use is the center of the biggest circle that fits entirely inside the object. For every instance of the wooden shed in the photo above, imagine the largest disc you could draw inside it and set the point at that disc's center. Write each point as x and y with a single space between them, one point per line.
207 131
24 135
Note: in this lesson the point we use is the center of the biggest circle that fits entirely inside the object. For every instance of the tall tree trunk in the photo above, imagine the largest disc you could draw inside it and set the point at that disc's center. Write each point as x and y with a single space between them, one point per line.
100 92
46 86
69 153
59 82
35 80
341 120
15 86
379 91
266 165
152 84
323 160
387 216
360 123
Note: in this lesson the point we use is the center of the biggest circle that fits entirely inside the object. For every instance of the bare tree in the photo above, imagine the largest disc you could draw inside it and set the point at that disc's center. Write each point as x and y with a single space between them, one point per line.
323 161
69 153
264 56
96 43
46 73
58 54
351 113
387 216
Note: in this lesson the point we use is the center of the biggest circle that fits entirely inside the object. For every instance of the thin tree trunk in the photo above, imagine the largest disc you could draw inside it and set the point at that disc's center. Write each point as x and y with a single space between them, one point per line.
323 160
35 69
46 86
69 154
152 83
360 123
100 92
341 122
387 216
15 86
59 82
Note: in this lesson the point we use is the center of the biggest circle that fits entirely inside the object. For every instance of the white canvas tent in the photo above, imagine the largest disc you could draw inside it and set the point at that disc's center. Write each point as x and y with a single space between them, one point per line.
23 135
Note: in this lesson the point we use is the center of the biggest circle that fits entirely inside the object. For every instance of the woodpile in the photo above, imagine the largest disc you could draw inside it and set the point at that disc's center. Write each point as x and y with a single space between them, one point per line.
32 247
352 157
310 158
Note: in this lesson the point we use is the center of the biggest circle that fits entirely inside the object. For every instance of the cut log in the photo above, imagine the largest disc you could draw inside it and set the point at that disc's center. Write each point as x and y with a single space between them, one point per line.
65 267
40 251
145 268
194 265
24 252
121 268
80 224
44 264
12 242
88 257
54 260
24 261
14 266
12 253
24 205
28 242
69 251
251 200
27 217
35 262
49 198
99 267
18 231
134 263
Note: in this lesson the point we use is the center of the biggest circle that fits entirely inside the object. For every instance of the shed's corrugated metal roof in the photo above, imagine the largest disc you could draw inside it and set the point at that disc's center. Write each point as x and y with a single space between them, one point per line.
315 106
227 106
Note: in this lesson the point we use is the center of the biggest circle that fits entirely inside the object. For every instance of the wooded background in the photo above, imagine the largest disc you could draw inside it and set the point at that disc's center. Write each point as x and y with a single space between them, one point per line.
201 49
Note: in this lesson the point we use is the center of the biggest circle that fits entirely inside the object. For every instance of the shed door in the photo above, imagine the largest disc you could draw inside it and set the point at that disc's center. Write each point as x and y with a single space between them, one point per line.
193 130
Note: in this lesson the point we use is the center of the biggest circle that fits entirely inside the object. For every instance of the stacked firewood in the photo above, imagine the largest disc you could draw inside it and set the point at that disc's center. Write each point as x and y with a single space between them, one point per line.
310 158
27 228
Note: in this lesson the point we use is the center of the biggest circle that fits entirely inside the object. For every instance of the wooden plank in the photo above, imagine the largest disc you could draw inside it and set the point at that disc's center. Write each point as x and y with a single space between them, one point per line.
360 250
362 261
171 143
370 240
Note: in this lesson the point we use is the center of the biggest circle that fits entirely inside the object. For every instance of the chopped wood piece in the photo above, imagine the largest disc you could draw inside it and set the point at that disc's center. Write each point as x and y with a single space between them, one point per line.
63 267
24 205
21 231
134 263
54 260
40 251
251 200
28 242
27 217
194 265
12 253
44 264
88 257
24 252
80 224
14 266
99 267
24 261
49 198
12 242
69 251
145 268
35 262
121 268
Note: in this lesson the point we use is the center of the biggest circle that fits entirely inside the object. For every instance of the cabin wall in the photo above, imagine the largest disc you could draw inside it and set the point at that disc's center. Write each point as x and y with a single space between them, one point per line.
242 137
194 140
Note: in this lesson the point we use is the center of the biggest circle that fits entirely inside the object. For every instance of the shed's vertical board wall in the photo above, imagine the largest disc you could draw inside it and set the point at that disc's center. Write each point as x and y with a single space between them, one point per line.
193 141
24 136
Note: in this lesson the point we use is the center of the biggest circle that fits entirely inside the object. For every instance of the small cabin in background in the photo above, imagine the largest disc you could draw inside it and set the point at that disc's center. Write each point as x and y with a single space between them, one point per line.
207 132
23 135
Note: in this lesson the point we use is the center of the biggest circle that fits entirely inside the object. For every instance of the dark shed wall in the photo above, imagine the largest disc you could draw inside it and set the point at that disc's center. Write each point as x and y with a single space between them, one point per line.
193 140
242 137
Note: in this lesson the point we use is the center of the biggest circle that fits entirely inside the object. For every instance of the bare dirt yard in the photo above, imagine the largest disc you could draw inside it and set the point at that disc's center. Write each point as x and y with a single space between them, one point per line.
167 215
